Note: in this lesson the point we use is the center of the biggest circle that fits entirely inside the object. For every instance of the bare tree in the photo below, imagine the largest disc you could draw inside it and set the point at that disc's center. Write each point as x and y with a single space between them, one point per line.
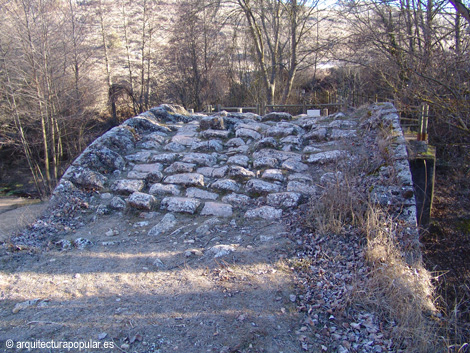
279 32
411 48
197 54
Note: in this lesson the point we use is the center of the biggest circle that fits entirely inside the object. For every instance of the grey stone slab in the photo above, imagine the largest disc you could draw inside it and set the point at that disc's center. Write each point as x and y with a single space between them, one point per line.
338 134
126 186
164 157
157 137
273 174
276 116
180 204
239 159
167 223
264 212
292 139
220 172
222 250
212 123
202 159
235 142
87 178
343 124
318 134
139 157
280 155
141 201
311 149
117 203
206 171
294 165
226 185
148 168
237 200
324 157
278 131
266 142
251 125
258 186
136 175
207 146
263 162
284 199
238 150
215 134
201 194
301 187
217 209
186 179
237 171
164 189
248 133
180 167
174 147
184 139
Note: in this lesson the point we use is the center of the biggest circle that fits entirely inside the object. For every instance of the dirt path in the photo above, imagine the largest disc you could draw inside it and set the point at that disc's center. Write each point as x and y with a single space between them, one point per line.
180 293
16 213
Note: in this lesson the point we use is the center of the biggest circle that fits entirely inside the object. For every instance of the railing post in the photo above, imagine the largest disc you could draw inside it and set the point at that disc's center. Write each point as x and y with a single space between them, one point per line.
425 122
420 124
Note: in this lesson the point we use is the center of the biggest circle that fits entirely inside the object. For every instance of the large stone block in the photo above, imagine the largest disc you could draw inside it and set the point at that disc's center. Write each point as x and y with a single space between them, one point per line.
126 186
180 204
141 201
166 223
257 186
186 179
264 212
217 209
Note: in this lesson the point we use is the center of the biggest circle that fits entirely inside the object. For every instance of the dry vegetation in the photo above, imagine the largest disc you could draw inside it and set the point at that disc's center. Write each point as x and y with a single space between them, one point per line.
397 284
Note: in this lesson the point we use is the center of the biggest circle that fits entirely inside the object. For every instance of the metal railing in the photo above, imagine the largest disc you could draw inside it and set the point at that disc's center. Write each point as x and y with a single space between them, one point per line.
415 119
262 109
412 118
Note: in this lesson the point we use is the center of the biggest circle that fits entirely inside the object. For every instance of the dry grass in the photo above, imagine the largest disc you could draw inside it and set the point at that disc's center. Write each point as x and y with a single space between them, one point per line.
402 294
340 204
398 291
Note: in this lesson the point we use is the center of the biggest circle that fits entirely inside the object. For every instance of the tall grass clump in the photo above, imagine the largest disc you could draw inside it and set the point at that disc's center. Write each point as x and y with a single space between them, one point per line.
397 290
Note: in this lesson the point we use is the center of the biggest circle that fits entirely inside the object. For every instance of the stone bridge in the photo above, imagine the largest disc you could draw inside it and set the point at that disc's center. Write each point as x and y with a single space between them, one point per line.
234 165
180 232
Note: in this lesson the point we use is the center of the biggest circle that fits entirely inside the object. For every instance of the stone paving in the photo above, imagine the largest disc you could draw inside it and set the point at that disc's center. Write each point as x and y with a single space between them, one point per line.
222 165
